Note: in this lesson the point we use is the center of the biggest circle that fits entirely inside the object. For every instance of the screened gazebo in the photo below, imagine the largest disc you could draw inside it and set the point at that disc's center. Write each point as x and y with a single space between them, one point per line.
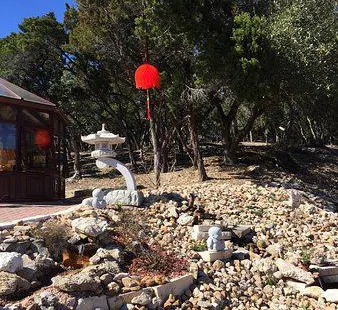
32 146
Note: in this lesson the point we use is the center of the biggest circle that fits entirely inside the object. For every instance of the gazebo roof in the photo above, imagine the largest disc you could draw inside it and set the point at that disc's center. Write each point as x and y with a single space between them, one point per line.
9 90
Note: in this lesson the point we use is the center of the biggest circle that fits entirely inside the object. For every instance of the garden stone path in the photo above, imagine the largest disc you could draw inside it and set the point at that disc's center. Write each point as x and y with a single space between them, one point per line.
15 212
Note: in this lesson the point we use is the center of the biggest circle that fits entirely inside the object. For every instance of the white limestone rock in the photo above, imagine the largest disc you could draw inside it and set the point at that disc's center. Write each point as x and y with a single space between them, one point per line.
125 197
77 283
106 255
312 291
185 219
331 295
143 299
11 283
89 226
95 302
290 271
10 262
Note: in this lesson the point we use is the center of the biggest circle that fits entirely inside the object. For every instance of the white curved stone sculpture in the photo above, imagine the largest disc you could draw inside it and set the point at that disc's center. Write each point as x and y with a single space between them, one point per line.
104 162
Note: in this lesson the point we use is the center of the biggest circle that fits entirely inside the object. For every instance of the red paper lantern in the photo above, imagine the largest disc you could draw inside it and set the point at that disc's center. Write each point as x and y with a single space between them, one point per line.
146 77
43 139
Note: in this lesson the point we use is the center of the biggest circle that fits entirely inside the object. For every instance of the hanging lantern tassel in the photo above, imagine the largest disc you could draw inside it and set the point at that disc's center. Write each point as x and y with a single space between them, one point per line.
148 105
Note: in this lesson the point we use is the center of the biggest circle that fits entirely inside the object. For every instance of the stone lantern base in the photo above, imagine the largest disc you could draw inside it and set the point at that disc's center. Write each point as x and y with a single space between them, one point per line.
210 256
118 197
124 197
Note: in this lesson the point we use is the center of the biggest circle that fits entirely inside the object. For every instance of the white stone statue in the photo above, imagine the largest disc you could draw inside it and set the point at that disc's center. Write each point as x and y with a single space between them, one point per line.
294 198
214 241
98 198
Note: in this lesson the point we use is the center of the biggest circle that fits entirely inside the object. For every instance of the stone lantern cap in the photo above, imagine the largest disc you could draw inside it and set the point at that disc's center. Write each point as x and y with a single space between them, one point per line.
103 140
103 136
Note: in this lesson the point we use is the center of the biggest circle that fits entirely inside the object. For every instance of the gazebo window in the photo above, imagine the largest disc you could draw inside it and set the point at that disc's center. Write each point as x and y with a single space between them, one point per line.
7 113
35 118
7 146
33 156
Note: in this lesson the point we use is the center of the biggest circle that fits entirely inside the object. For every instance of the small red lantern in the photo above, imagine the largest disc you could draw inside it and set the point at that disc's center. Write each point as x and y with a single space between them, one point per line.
146 77
43 139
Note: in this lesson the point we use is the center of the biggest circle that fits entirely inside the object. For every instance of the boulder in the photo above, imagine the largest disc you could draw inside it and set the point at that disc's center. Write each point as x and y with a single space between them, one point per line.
143 299
312 291
110 267
172 212
185 219
11 283
46 299
89 226
29 269
274 250
125 197
106 255
10 262
290 271
91 303
265 265
77 283
331 295
13 245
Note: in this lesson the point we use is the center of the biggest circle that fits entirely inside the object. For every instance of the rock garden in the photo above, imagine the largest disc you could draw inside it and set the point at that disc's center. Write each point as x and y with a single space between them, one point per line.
278 250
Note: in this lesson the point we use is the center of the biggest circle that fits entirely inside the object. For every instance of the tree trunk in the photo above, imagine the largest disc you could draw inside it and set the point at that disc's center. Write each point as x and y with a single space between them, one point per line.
185 146
132 159
196 148
226 130
77 162
165 161
157 155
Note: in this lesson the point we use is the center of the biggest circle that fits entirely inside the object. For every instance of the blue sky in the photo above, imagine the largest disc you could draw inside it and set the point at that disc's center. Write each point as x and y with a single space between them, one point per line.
13 12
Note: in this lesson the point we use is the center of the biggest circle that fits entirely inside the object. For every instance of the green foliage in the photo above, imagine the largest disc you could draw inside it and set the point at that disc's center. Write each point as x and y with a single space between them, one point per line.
199 246
305 257
234 65
33 57
271 281
258 212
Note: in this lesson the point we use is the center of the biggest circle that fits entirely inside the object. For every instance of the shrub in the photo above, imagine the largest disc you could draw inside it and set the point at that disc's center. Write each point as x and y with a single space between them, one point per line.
199 246
154 261
55 236
305 257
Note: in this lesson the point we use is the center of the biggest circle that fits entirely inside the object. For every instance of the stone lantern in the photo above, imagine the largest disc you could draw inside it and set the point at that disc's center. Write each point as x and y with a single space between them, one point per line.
104 154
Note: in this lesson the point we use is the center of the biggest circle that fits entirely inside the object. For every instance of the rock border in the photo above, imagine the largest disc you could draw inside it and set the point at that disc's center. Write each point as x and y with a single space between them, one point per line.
176 287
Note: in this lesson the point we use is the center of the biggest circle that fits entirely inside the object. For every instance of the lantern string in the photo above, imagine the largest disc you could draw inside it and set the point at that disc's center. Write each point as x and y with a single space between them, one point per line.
148 105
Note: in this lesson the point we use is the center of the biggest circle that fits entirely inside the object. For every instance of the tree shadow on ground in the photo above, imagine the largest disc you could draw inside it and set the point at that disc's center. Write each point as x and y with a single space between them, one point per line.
311 170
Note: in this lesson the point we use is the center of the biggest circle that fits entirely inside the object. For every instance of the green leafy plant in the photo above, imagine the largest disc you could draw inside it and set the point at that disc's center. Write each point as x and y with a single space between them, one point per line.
270 281
305 257
258 212
199 246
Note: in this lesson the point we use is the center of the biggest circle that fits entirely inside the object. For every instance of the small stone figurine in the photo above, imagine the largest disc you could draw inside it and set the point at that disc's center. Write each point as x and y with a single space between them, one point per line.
214 241
98 198
294 198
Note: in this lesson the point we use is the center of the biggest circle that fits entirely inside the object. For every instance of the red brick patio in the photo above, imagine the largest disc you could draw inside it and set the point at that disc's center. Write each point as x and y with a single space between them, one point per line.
13 212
